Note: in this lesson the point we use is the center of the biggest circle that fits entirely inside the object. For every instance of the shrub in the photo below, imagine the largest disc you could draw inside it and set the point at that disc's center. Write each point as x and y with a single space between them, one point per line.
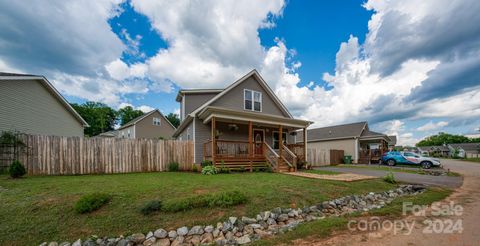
194 168
151 207
209 170
269 169
206 163
16 169
389 178
224 199
173 167
91 202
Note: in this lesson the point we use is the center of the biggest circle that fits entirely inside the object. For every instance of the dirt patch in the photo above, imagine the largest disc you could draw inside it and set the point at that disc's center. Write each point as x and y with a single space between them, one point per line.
347 177
201 191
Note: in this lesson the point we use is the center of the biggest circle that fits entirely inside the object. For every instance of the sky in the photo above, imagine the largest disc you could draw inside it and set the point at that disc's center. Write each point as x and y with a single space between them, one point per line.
409 68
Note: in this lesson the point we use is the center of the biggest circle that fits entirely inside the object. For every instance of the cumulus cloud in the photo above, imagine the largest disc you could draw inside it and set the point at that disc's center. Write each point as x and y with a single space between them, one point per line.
432 126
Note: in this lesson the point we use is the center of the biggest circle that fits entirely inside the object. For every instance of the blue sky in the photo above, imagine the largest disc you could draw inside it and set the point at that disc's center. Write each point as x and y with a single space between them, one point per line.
409 68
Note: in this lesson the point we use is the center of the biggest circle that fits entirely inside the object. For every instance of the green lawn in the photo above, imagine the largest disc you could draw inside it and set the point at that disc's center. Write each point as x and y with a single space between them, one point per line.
39 209
324 228
472 159
398 168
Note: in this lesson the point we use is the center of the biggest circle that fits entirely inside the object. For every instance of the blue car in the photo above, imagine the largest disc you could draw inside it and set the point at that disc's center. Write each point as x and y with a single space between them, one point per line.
393 158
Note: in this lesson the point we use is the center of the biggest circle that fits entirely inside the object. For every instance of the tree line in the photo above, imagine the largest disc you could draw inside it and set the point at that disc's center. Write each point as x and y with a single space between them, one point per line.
103 118
445 138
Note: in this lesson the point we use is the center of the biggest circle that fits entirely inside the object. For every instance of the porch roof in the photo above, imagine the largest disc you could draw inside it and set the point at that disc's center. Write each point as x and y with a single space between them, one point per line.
208 112
371 135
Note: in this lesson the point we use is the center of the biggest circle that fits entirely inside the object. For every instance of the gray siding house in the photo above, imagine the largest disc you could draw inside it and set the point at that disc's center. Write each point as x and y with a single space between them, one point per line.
241 126
150 125
30 104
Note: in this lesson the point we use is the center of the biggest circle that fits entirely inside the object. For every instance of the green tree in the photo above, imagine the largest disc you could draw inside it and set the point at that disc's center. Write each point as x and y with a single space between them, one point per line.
173 118
99 116
443 138
127 114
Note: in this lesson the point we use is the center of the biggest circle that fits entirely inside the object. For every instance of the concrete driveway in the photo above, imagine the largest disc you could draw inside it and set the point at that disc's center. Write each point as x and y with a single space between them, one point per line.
442 181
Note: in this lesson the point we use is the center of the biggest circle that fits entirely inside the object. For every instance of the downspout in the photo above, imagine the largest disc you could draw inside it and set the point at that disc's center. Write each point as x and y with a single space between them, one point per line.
356 151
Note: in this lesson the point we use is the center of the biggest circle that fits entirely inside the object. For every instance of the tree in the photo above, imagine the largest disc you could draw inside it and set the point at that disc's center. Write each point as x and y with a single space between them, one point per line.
173 118
127 114
442 138
99 116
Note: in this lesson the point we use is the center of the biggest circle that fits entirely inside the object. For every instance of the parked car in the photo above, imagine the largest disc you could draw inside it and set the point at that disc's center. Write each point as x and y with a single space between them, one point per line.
393 158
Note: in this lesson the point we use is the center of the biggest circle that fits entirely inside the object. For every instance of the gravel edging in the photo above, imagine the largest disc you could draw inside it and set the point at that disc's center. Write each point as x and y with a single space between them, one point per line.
239 231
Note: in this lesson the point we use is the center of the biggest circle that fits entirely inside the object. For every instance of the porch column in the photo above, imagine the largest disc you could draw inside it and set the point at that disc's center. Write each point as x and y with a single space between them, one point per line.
214 141
280 140
305 144
250 144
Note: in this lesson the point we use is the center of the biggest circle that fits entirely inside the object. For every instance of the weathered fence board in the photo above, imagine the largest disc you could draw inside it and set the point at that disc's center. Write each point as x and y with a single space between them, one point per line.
53 155
324 157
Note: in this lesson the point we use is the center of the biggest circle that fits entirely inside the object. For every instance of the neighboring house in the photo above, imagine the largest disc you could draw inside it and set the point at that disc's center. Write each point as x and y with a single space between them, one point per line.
30 104
150 125
109 134
354 139
392 142
435 151
244 124
465 150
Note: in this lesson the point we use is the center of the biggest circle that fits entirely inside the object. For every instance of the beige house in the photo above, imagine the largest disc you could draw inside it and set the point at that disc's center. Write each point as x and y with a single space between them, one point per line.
30 104
354 139
150 125
241 126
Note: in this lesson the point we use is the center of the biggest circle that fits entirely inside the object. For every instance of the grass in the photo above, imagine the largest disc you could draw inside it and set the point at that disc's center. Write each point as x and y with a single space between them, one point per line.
324 228
42 208
472 159
323 172
397 168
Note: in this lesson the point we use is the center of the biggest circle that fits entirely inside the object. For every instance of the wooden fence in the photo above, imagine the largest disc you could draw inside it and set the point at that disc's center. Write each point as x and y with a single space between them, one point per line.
52 155
324 157
473 155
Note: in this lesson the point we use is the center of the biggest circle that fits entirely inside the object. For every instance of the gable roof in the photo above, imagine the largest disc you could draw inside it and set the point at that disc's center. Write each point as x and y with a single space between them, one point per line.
434 148
262 83
196 91
393 140
49 87
467 146
337 132
141 117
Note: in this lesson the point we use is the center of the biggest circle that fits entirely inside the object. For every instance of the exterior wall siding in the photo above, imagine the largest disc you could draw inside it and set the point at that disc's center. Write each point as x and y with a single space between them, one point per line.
234 99
347 145
27 106
123 133
193 101
146 129
202 135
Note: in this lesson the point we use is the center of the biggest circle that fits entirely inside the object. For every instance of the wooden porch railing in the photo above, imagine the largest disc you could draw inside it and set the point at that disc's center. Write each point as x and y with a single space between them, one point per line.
271 156
289 157
298 150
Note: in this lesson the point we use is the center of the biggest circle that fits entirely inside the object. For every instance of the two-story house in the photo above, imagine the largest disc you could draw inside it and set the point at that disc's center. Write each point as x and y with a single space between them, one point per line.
149 125
242 126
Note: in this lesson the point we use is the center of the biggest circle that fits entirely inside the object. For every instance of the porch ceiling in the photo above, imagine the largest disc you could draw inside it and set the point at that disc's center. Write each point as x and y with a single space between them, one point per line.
244 116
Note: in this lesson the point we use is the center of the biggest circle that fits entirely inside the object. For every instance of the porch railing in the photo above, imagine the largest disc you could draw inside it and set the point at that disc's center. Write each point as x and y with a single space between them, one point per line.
289 157
271 156
298 150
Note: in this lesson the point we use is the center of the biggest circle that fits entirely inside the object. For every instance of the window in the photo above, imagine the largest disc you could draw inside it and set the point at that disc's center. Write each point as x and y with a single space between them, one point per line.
275 143
252 100
128 133
156 121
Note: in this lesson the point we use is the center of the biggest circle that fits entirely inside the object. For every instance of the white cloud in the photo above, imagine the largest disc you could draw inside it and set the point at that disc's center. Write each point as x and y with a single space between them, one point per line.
432 126
143 108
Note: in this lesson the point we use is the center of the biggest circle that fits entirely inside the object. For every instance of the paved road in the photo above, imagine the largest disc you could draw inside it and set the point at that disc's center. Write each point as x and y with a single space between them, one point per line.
442 181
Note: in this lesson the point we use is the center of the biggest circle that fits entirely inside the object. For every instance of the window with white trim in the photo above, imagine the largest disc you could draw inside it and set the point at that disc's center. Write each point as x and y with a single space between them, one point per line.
252 100
157 121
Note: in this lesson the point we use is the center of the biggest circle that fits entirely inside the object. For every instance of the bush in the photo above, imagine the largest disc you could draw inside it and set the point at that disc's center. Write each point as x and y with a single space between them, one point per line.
91 202
206 163
151 207
173 167
390 178
224 199
209 170
194 168
269 169
16 169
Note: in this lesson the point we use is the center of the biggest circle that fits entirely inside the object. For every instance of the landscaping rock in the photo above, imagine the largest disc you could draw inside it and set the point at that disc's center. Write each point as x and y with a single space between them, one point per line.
89 242
243 240
162 242
195 240
178 241
123 242
150 241
172 234
208 229
232 220
282 217
77 243
65 244
160 233
206 238
248 220
196 230
182 231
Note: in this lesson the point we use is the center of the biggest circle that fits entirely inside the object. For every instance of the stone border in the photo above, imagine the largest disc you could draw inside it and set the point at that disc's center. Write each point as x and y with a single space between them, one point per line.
239 231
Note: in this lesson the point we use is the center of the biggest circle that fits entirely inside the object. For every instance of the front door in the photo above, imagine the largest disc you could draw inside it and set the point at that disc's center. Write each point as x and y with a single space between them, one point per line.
258 137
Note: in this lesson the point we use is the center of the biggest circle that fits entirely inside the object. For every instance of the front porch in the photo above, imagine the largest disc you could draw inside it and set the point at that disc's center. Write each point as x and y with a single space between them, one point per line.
250 143
371 150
